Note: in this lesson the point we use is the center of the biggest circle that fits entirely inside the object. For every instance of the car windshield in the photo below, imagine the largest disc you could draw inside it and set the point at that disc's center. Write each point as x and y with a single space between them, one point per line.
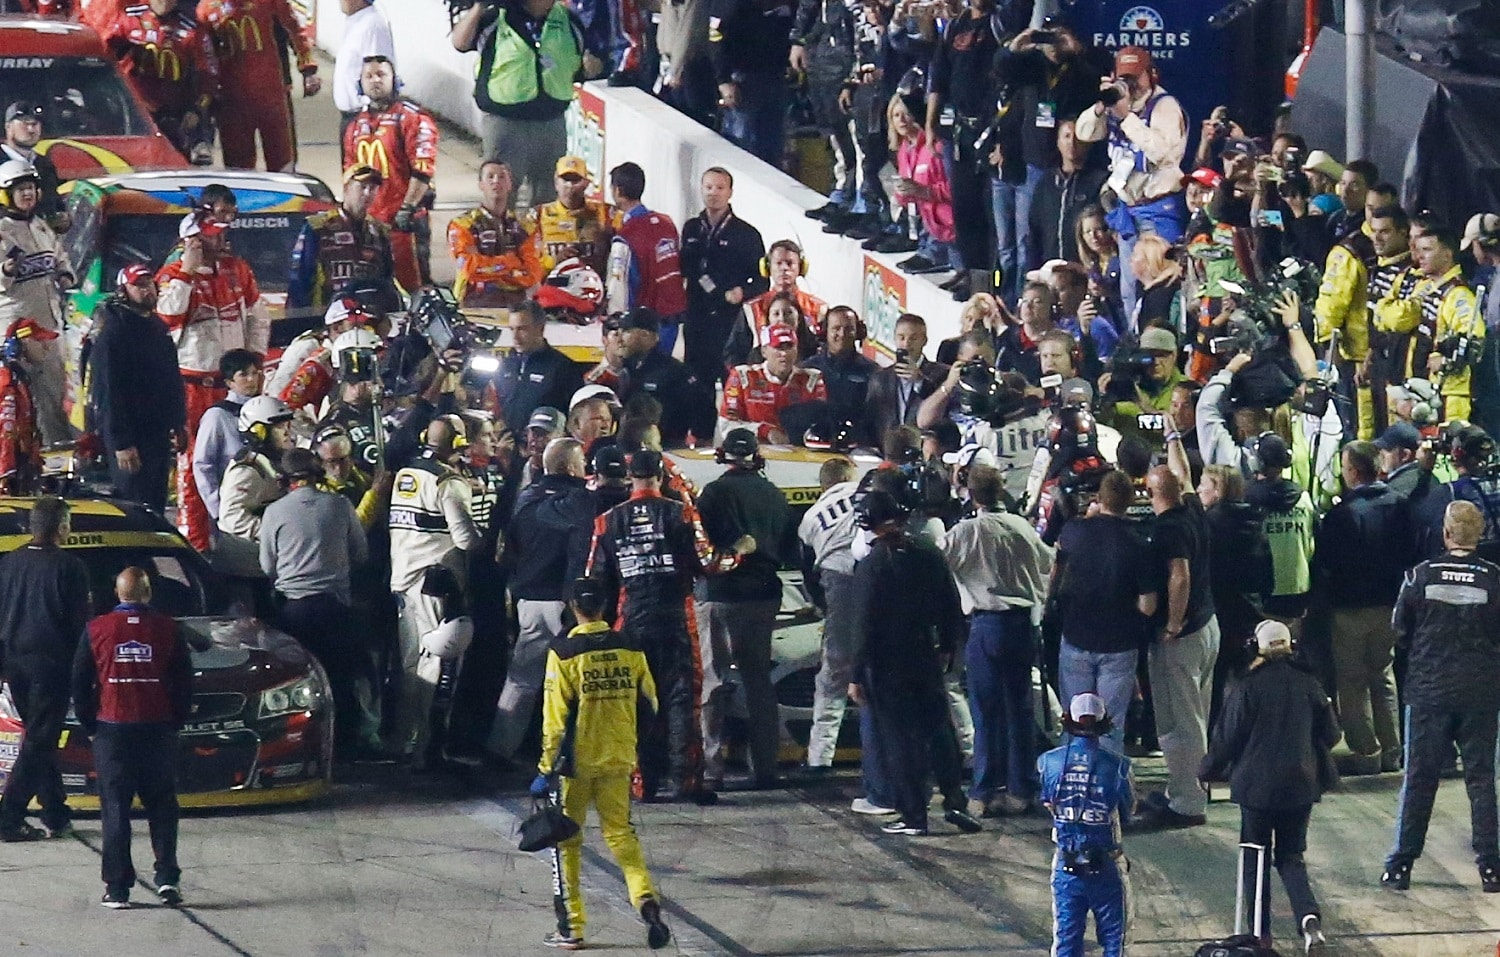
264 240
177 588
79 96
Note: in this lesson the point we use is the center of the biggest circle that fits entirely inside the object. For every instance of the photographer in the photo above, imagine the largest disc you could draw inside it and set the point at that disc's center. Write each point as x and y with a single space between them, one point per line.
1217 130
897 392
1139 383
1147 133
1292 227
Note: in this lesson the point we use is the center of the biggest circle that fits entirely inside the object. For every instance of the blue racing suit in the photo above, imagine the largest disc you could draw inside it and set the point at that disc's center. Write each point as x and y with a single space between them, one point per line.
1090 792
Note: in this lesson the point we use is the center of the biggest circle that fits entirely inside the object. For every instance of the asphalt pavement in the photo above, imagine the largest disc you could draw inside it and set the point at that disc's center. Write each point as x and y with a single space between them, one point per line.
393 865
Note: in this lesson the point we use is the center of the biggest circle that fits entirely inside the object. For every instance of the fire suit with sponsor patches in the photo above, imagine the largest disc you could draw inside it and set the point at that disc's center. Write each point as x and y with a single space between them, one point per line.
651 548
30 291
562 233
209 312
401 141
1088 789
20 442
596 680
333 251
252 93
496 261
753 397
171 64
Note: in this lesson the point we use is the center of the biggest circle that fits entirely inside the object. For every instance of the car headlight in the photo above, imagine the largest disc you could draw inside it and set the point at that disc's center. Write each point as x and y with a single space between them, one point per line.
304 694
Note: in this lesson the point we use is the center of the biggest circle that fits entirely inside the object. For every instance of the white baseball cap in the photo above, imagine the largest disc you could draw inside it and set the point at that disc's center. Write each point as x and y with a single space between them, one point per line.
1483 228
1271 635
1086 705
971 453
593 391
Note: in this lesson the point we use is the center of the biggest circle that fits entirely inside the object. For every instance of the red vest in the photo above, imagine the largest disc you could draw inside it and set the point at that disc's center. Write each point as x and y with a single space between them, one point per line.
654 248
134 651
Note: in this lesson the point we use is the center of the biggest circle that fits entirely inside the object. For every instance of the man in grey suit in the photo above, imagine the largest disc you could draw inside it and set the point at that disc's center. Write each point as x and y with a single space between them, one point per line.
896 392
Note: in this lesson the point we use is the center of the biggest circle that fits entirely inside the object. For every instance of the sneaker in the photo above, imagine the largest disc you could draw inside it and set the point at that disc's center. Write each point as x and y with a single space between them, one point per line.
657 931
947 285
169 895
62 830
894 244
1397 876
822 213
869 227
962 820
962 292
866 806
21 833
841 220
1489 876
1313 941
115 899
557 940
900 826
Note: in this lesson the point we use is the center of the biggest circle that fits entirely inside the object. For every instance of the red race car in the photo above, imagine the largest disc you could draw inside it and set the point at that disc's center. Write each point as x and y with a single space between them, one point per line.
92 122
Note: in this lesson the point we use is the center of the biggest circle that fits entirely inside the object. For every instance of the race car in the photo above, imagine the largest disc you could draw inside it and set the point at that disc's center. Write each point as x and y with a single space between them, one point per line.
261 726
93 122
134 217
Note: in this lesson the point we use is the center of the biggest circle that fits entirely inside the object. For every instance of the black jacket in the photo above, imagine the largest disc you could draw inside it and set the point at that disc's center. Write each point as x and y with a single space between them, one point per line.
547 546
527 381
1274 738
1364 548
1448 617
729 256
44 605
848 380
138 394
1240 563
1068 88
1059 198
686 404
883 401
753 37
742 502
906 613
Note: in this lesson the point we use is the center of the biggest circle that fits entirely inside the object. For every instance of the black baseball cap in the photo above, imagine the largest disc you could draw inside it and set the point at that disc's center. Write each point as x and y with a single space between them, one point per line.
877 508
1402 435
28 109
585 589
645 464
641 317
740 444
609 462
1273 453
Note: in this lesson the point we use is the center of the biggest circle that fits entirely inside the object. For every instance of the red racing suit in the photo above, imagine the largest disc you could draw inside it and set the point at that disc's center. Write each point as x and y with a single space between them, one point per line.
209 313
311 381
20 441
252 96
752 396
400 140
169 61
650 548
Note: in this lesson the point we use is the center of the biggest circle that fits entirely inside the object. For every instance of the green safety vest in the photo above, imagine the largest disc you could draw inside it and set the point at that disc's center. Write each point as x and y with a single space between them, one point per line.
512 71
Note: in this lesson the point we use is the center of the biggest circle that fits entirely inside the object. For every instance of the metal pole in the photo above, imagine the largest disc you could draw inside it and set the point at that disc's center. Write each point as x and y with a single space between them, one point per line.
1359 75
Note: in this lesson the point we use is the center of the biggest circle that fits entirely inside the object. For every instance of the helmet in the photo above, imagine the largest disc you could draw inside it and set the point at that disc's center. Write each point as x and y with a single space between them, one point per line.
835 435
16 171
1470 446
357 338
450 639
572 287
878 507
1072 428
262 411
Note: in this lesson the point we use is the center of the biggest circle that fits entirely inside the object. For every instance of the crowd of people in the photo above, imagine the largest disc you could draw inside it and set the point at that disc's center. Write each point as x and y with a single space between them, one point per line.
1210 447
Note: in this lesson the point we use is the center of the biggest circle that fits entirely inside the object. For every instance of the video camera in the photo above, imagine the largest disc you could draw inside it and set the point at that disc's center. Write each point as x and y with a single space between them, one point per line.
1129 367
927 488
434 315
1255 326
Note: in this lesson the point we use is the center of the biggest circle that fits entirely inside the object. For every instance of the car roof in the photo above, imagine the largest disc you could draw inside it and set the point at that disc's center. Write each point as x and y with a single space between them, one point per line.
94 522
167 180
22 35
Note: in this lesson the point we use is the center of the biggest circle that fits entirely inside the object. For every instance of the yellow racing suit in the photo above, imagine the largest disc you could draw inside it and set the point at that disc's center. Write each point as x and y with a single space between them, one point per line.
1450 313
595 680
562 233
1343 306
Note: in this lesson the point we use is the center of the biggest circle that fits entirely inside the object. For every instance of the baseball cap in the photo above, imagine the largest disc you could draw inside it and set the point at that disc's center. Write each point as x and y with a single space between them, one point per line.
27 109
1241 145
1483 228
1318 161
1401 435
1205 177
192 226
590 589
134 273
971 453
347 309
29 329
1044 272
593 391
363 173
1272 452
1073 389
645 464
641 317
1271 634
1157 339
740 444
547 419
1134 61
572 166
777 337
1086 705
1415 390
609 461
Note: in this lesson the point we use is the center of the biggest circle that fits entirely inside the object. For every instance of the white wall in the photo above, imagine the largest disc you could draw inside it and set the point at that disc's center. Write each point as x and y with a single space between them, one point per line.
611 126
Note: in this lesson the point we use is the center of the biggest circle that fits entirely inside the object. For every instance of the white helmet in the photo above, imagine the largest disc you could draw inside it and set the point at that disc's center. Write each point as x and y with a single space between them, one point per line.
263 410
450 639
357 338
14 171
573 287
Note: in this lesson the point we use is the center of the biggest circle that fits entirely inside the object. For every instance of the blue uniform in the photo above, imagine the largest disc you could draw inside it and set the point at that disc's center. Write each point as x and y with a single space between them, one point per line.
1090 793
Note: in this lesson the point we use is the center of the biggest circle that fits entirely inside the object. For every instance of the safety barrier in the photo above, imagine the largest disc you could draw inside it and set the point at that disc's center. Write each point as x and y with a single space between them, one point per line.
609 126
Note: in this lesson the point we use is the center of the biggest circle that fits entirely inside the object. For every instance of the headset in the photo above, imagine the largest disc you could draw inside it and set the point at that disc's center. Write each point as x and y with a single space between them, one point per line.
790 245
861 331
1075 348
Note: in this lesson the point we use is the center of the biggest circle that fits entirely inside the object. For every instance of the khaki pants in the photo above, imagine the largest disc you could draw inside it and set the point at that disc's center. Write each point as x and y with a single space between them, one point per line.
540 622
1182 676
1364 649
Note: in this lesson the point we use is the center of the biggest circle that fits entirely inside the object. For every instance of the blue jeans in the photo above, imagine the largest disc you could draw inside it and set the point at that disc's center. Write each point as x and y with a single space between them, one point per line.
759 124
1110 675
1016 247
1002 648
876 789
667 338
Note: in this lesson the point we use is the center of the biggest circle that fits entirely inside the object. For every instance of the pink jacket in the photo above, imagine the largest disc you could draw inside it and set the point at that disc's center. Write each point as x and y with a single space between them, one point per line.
918 162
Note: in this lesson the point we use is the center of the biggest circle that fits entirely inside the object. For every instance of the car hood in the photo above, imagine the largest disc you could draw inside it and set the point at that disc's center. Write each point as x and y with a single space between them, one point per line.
77 157
246 651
